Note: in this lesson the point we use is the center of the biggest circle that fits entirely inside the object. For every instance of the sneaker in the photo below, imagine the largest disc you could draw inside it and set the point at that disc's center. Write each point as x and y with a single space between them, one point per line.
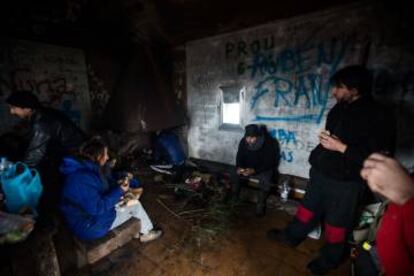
316 233
164 171
152 235
163 166
279 236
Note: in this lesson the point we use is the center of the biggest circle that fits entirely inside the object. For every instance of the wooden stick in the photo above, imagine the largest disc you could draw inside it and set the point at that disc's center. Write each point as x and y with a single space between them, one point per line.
193 211
168 209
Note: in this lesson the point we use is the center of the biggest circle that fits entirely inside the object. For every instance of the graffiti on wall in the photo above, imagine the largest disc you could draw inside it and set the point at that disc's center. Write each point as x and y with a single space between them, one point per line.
284 69
295 79
50 89
98 92
290 143
57 75
289 85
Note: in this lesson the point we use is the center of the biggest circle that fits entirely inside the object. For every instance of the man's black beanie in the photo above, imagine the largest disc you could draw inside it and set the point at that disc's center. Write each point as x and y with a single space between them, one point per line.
252 130
23 99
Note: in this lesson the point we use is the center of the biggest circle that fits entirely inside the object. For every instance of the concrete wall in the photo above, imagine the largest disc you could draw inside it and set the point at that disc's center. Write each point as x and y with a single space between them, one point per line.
143 100
57 75
283 69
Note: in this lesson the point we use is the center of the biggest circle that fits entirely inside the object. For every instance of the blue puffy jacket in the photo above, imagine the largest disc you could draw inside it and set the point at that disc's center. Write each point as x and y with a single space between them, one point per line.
88 202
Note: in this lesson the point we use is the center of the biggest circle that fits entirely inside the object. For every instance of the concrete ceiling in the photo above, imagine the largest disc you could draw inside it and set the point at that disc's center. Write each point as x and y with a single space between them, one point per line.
156 21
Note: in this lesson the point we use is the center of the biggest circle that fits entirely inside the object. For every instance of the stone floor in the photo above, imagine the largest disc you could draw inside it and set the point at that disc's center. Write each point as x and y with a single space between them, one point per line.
244 250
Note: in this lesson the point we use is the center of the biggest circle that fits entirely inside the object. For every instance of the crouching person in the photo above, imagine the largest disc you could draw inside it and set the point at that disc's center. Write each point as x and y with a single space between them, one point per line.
89 200
257 158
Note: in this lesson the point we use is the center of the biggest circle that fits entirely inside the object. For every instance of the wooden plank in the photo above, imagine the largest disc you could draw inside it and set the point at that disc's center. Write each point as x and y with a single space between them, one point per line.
95 250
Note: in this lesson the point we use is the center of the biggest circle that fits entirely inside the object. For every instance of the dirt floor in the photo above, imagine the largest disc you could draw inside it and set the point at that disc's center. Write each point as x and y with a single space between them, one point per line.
242 249
239 247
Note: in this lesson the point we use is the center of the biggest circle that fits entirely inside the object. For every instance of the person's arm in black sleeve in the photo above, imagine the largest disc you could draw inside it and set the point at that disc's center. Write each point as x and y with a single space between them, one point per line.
269 159
37 146
357 153
379 137
333 115
390 132
239 158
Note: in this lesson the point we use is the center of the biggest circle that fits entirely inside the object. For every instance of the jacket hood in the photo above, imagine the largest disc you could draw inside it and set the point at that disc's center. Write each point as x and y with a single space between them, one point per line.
70 165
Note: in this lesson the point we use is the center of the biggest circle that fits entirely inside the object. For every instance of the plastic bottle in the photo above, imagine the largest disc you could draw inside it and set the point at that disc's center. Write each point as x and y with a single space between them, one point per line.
284 190
3 164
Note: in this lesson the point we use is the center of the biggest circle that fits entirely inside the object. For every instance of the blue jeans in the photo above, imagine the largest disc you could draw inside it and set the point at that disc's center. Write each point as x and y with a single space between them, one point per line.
135 211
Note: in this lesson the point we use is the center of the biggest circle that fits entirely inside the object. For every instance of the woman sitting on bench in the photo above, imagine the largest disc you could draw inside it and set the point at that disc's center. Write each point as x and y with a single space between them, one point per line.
90 201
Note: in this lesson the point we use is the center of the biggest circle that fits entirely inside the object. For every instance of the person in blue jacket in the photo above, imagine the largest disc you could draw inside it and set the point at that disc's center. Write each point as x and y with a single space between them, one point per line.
89 201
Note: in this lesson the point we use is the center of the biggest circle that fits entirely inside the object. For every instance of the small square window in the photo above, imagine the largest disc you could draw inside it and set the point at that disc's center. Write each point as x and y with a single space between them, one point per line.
231 113
230 106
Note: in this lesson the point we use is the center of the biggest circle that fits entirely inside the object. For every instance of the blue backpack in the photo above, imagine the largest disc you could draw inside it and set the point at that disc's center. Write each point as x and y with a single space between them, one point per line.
169 149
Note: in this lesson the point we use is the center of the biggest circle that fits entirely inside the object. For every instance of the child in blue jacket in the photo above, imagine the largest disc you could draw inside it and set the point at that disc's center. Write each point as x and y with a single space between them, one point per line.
89 201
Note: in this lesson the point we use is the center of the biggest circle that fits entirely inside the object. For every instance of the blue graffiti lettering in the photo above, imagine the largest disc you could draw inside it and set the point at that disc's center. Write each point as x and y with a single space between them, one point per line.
309 118
304 53
301 91
284 136
288 57
286 156
260 92
336 49
318 97
262 64
309 87
282 88
292 60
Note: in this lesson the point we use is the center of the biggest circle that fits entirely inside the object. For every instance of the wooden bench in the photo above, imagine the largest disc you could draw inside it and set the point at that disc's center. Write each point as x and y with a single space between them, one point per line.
89 252
297 186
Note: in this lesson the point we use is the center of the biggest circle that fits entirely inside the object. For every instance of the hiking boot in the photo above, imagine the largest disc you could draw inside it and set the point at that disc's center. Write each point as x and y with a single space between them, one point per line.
150 236
280 236
319 267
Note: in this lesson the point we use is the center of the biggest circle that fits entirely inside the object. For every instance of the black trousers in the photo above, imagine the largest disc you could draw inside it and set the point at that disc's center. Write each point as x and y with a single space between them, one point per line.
265 181
332 202
52 182
265 184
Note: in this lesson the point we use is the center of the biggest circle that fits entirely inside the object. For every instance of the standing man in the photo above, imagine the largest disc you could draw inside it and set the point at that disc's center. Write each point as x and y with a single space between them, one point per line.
52 135
257 158
355 128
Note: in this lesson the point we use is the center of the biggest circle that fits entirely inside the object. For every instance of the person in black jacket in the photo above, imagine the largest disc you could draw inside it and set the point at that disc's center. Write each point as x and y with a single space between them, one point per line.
52 133
52 136
355 128
257 158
